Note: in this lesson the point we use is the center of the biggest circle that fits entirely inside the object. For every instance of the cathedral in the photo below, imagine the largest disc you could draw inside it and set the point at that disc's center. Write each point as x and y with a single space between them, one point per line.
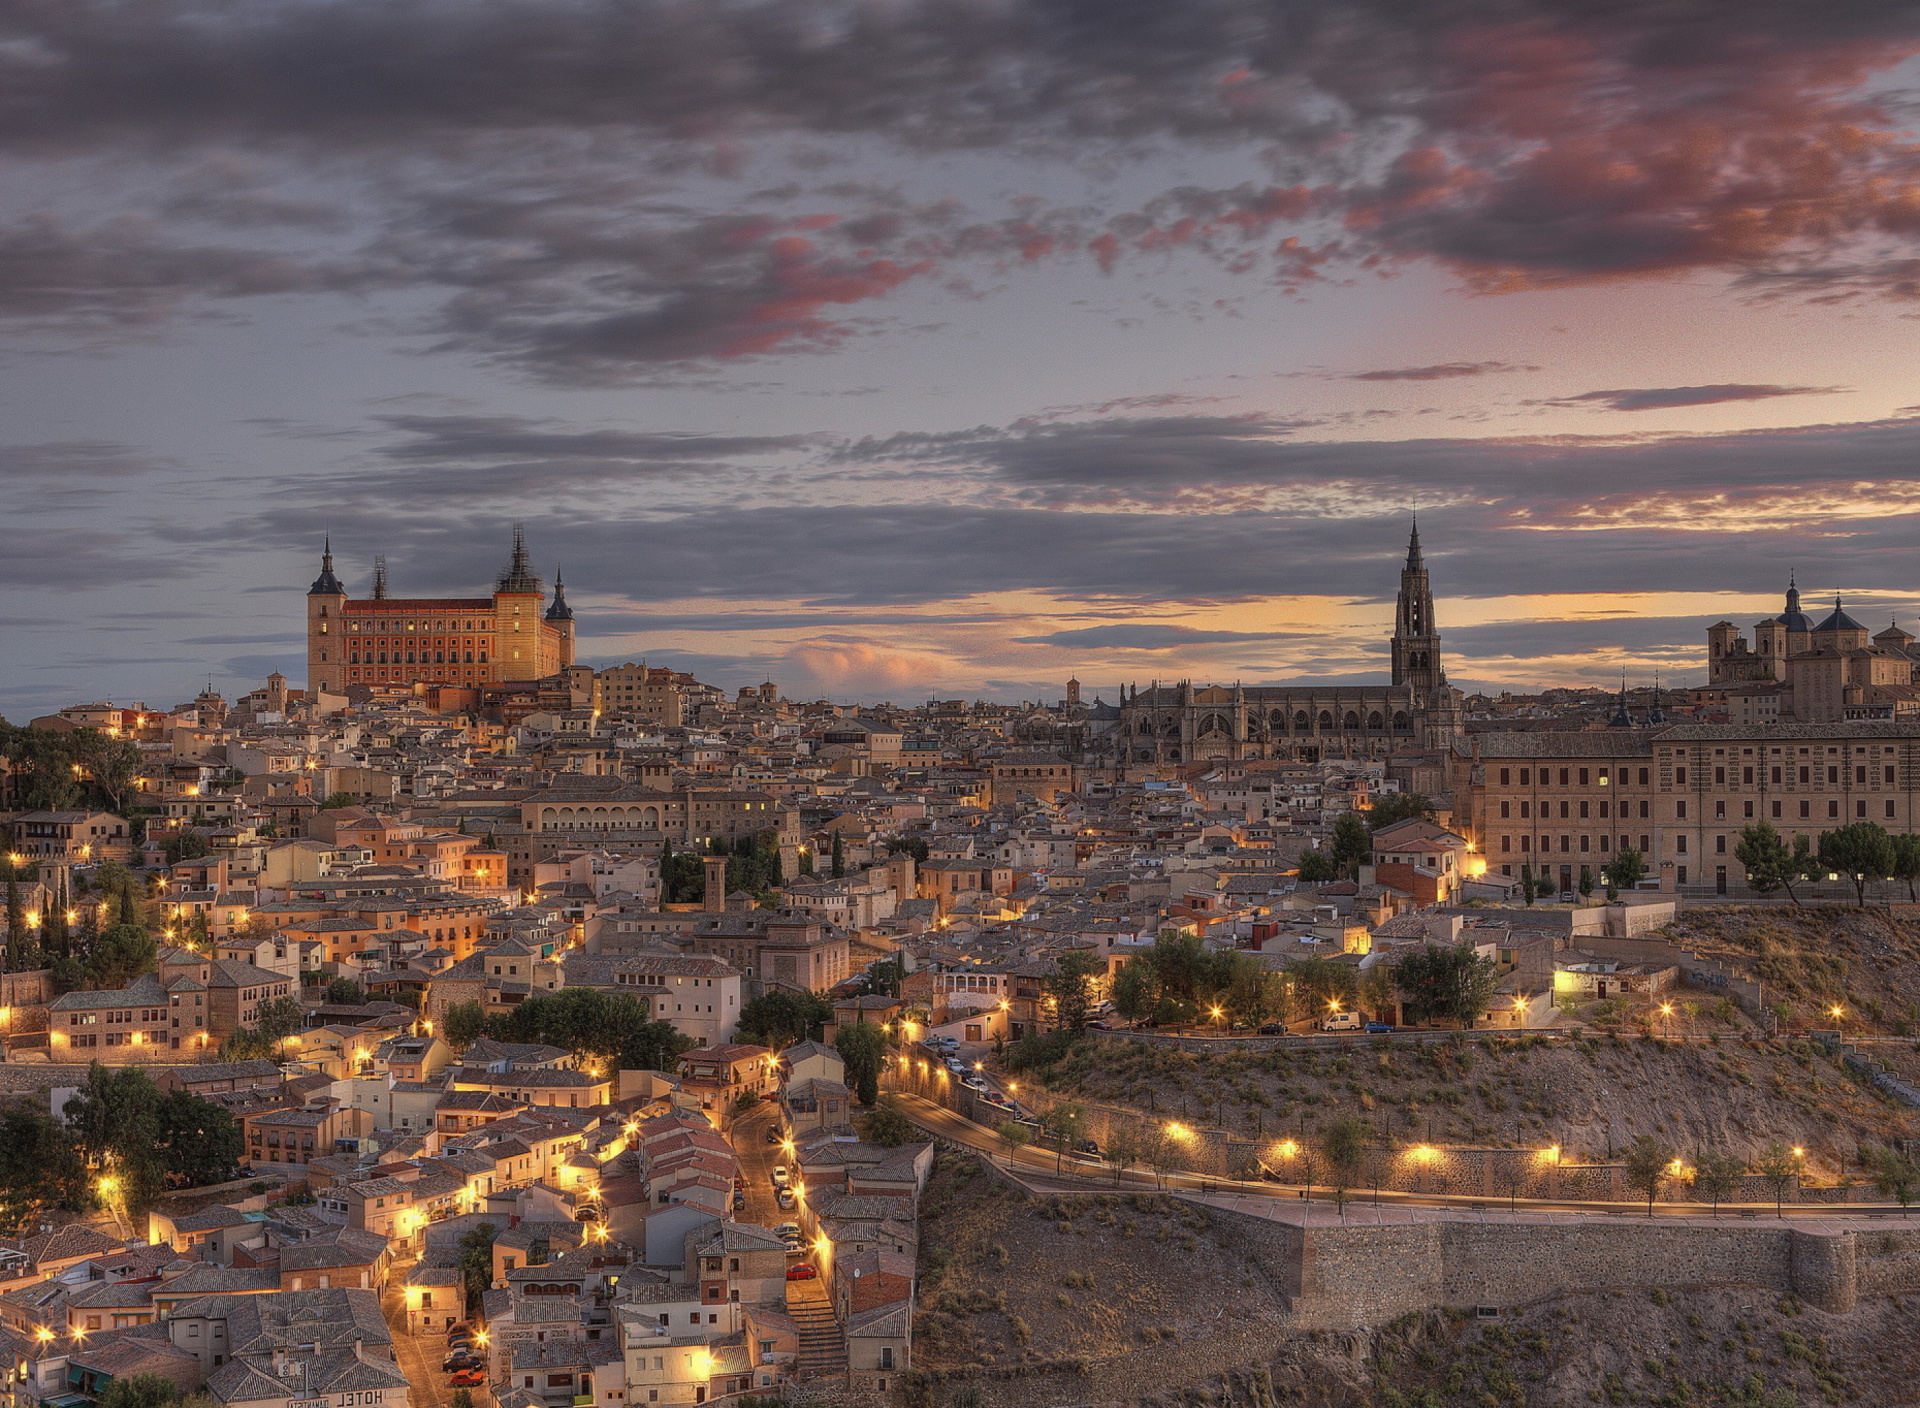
1417 712
454 642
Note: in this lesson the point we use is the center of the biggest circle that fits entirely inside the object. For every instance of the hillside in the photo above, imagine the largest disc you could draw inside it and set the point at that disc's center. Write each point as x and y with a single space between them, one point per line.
1590 1098
1866 960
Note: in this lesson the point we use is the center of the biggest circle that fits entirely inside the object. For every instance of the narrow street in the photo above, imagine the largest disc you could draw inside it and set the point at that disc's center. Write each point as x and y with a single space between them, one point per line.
757 1158
418 1358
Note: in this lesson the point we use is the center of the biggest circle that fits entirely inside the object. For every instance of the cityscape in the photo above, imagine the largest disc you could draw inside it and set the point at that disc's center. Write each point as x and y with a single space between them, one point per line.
1018 706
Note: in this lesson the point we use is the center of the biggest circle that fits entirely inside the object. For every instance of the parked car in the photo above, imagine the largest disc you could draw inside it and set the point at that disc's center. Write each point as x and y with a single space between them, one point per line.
739 1200
973 1082
1341 1022
801 1271
781 1178
956 1065
587 1214
1274 1029
1098 1027
462 1359
1378 1027
784 1197
465 1327
773 1134
467 1378
1087 1146
787 1230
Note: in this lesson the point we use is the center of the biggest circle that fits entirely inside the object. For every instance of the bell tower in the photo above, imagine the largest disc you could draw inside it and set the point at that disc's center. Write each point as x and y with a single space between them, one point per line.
1416 637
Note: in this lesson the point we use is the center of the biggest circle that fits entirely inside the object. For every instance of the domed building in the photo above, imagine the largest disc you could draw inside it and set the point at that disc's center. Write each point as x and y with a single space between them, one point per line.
1825 673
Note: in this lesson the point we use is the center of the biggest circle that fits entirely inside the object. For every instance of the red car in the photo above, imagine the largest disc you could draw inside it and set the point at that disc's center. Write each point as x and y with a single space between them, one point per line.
467 1378
801 1271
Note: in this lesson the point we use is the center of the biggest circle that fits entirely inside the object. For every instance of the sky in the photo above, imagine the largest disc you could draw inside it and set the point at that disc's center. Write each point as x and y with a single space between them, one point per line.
935 348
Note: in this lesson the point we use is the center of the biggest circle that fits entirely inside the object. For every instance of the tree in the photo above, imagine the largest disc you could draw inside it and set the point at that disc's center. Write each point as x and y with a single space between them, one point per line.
1013 1134
1627 868
1766 857
779 1018
1066 1125
1135 988
1717 1177
139 1391
1906 862
1861 851
1779 1166
200 1142
345 992
1319 982
462 1024
1450 984
1586 881
279 1017
476 1263
1157 1150
887 1127
1317 869
1345 1143
1071 988
1527 886
40 1168
654 1046
114 1121
1645 1164
864 1050
1895 1175
462 1398
336 800
1351 843
1396 807
120 955
915 846
1378 995
1123 1148
838 868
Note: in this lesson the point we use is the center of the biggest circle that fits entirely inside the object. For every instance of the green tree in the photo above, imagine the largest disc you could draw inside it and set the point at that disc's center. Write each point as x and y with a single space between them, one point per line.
1013 1134
139 1391
1351 844
1446 984
915 846
1318 983
1586 881
1645 1165
1894 1174
1253 992
1717 1177
185 845
120 955
1317 869
1779 1167
1123 1149
345 992
1765 856
476 1263
1627 868
1906 862
864 1050
779 1018
1527 886
1804 865
40 1169
1071 987
887 1127
462 1398
462 1024
1396 807
336 800
114 1122
1861 851
1135 988
1378 996
1345 1143
200 1142
654 1046
838 867
279 1017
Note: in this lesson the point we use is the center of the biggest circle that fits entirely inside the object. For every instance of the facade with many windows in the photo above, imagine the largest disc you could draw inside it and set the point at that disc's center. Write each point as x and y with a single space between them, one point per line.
1563 802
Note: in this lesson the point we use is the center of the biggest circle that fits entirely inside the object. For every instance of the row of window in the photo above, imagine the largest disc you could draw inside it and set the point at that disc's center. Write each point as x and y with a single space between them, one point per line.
1748 775
440 657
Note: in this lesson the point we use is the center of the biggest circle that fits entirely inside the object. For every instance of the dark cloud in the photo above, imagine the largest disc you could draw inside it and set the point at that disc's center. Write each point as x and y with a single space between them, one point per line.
1663 398
86 558
1139 637
1443 371
531 164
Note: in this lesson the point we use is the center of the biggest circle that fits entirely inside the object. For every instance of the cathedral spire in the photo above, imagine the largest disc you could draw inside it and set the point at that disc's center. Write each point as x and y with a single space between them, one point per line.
380 579
559 611
519 576
1416 639
1414 563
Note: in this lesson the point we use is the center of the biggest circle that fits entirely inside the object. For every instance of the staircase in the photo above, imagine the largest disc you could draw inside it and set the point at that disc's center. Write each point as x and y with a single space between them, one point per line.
823 1346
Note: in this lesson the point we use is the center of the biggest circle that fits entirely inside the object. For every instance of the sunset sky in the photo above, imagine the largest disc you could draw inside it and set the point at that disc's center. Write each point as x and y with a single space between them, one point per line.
928 348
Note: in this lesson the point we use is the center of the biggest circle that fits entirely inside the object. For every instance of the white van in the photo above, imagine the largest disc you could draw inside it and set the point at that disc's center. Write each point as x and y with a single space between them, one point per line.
1341 1022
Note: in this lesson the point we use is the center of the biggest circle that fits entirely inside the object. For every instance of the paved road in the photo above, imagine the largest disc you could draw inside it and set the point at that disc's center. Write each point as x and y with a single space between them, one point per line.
757 1158
1292 1203
418 1357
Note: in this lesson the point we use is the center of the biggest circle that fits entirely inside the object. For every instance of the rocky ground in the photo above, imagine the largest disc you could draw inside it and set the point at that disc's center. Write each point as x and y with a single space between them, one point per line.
1865 960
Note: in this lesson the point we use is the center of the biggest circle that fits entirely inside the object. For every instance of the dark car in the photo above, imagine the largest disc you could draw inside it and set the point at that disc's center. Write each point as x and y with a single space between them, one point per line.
1087 1146
461 1331
1274 1029
1379 1027
462 1359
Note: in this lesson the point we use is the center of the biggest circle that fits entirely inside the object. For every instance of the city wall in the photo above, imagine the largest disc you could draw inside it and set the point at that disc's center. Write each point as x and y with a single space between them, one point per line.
1344 1278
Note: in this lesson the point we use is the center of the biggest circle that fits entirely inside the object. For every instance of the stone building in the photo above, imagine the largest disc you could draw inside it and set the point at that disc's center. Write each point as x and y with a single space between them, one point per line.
1417 710
450 642
1814 674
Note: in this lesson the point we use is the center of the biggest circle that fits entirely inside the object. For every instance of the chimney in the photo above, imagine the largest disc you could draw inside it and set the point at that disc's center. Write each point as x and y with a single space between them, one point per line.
715 900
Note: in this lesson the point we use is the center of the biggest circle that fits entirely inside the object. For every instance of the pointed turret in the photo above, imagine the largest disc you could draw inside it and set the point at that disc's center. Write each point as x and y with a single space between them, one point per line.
326 584
519 575
1621 717
559 611
380 579
1414 563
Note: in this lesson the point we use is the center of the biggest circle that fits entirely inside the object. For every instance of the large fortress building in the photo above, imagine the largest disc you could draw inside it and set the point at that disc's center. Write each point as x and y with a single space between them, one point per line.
1795 671
464 642
1417 711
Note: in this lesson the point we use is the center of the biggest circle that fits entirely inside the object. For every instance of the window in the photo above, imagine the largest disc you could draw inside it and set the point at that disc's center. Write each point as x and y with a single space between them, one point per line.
1889 808
1860 808
1776 810
1806 810
1720 845
886 1356
1680 811
1680 776
1643 777
1833 810
1680 844
1506 809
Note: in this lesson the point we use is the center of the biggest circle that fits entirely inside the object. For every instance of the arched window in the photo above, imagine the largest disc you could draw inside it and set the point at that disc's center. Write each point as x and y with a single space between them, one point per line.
1351 720
1300 720
1400 720
1278 718
1326 719
1215 726
1374 720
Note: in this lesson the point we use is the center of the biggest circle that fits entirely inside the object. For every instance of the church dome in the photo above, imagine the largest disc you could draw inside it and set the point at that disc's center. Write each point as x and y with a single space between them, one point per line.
1839 620
1793 618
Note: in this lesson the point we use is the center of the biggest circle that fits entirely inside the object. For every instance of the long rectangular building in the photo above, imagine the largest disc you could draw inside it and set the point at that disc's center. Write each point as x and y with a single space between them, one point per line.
1561 802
